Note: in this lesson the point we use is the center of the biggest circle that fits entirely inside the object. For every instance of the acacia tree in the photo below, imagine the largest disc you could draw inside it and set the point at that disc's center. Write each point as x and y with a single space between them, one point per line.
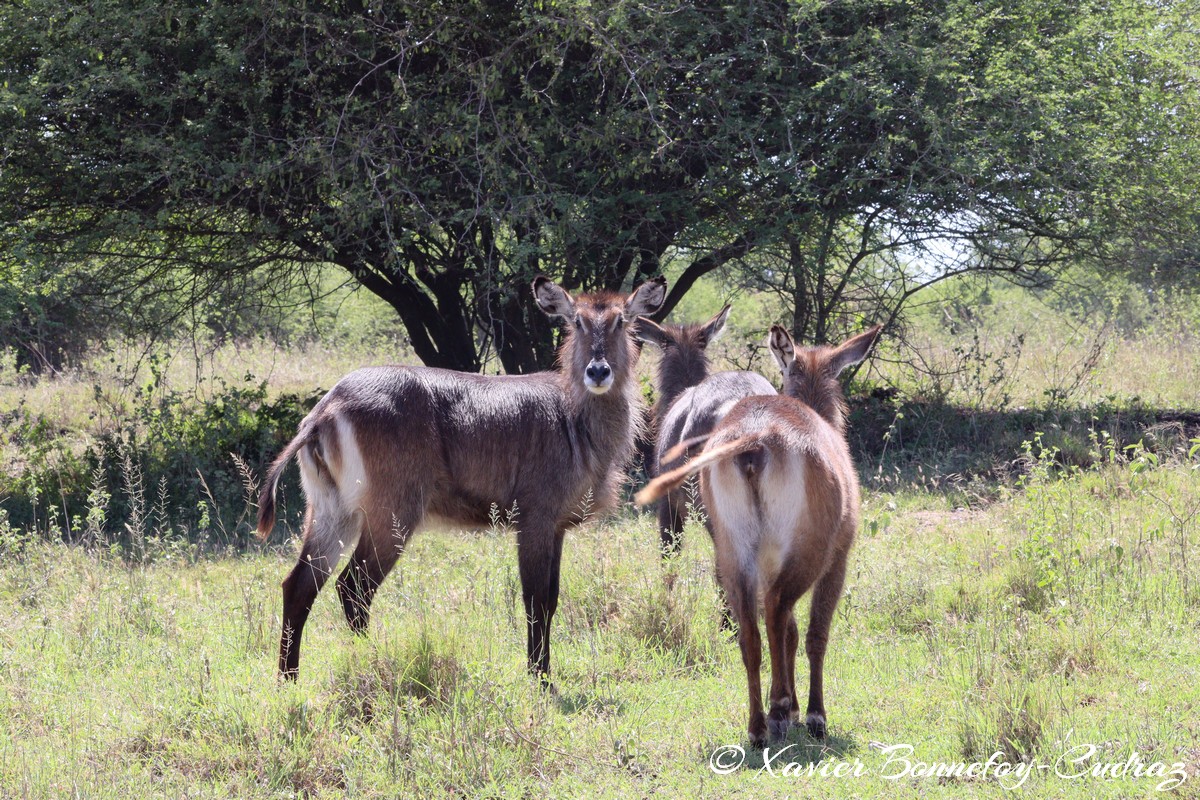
442 154
1010 138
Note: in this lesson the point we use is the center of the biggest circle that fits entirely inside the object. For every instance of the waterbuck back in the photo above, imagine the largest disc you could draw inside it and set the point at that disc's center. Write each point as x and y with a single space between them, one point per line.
392 450
689 402
783 499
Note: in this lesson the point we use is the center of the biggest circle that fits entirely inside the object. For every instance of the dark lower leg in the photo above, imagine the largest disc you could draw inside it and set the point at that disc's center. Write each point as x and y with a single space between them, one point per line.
751 646
782 701
825 599
356 591
300 589
743 601
671 516
793 643
727 615
359 581
815 716
540 560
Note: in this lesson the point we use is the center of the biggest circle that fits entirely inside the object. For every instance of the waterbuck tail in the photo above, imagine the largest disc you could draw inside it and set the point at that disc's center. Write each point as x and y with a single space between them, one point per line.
266 497
681 448
675 478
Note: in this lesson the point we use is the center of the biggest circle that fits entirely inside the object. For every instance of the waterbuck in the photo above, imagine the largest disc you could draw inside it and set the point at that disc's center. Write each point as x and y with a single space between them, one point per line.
782 495
689 403
391 450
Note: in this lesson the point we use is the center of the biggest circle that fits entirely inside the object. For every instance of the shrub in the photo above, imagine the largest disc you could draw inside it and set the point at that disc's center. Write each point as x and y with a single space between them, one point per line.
178 469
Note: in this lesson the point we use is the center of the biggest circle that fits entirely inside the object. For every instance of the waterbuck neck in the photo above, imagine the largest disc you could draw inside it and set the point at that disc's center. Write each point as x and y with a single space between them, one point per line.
683 364
812 382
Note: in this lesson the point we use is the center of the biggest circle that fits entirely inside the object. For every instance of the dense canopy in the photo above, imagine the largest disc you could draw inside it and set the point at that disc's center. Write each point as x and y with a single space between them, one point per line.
442 154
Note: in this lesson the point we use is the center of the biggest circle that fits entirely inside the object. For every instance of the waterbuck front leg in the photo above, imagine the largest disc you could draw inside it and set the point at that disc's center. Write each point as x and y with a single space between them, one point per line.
539 557
825 599
672 513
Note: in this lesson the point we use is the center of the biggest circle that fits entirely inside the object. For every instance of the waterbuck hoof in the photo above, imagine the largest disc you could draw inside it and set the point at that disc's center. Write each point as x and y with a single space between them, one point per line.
758 734
547 686
779 720
779 728
816 725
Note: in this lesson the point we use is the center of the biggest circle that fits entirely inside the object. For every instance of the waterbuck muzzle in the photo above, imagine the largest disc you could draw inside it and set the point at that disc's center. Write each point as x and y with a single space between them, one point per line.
598 377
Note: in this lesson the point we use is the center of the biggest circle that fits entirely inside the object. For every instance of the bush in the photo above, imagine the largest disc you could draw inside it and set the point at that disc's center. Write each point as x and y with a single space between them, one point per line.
179 469
45 323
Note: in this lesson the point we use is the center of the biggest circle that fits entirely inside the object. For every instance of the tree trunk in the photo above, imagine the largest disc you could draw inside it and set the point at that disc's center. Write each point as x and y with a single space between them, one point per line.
522 335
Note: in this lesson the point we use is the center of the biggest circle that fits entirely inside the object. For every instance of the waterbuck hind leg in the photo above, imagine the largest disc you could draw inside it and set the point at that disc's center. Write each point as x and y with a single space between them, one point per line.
826 595
727 616
359 581
743 599
300 589
325 536
378 549
356 590
779 599
792 645
539 557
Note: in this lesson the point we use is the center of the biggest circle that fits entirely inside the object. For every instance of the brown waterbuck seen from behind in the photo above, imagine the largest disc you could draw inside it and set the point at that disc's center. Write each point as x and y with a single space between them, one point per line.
391 450
689 402
782 494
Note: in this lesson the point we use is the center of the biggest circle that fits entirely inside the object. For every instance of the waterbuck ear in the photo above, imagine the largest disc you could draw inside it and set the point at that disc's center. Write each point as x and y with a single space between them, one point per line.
782 347
552 298
647 330
646 299
713 328
854 349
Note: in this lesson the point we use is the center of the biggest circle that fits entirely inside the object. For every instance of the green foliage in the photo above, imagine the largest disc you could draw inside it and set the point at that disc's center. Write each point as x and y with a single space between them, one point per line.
44 322
440 155
1101 342
177 470
1044 554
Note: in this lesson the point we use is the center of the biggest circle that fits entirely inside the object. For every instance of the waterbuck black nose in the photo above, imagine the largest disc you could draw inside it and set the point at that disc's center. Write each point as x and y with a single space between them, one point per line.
598 371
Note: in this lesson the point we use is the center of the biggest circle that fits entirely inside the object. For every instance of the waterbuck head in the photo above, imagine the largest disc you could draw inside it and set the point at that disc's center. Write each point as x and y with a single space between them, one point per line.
684 360
598 350
810 373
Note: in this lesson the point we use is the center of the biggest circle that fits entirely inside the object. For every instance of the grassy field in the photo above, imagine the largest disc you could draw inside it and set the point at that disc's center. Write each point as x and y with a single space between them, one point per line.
1061 617
1042 620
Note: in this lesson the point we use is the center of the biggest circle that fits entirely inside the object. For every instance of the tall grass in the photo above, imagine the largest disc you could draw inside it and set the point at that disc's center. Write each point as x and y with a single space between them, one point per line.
1024 583
984 345
1062 615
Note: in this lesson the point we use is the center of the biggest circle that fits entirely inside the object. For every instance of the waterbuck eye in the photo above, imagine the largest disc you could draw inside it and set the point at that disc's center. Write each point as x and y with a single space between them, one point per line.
579 323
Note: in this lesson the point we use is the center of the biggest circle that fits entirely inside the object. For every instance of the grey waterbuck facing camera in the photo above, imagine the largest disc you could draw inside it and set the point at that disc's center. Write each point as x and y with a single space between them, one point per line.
392 450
